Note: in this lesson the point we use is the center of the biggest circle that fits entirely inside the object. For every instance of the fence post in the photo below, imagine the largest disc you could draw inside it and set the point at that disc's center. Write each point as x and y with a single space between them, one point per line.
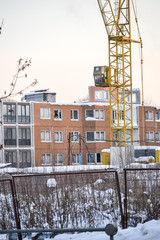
125 199
119 198
15 205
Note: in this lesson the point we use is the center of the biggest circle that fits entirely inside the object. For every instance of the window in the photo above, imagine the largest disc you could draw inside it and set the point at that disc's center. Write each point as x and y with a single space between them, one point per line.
74 114
99 136
90 137
45 113
75 137
24 136
58 137
57 114
46 158
149 136
59 159
96 114
9 112
102 95
134 97
95 136
11 157
157 116
157 136
45 136
24 159
149 115
23 113
9 136
75 158
94 158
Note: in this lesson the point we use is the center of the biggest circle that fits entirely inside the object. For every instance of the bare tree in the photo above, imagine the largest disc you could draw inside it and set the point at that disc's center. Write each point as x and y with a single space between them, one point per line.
1 26
22 68
23 65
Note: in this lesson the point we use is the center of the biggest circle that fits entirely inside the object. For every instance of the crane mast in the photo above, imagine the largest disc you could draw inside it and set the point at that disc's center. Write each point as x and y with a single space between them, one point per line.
118 76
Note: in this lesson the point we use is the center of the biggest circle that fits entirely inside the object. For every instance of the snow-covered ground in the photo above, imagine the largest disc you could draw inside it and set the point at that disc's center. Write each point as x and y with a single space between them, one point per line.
147 231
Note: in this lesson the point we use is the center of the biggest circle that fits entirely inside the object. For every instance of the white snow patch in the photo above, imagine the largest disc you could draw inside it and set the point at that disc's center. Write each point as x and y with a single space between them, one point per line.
51 182
147 231
98 181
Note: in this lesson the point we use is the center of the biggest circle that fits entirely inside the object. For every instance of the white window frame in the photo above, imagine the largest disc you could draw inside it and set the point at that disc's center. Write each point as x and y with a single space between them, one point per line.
77 158
158 138
43 114
75 137
46 155
104 95
149 137
72 115
59 118
95 118
45 135
157 119
60 137
59 159
95 157
96 133
148 115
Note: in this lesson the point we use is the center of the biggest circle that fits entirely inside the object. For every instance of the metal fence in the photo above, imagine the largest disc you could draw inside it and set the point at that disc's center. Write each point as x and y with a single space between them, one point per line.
65 200
142 195
79 200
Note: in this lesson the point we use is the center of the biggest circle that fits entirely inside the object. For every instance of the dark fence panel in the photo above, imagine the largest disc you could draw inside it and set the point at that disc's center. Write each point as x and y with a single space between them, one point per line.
7 207
142 195
67 200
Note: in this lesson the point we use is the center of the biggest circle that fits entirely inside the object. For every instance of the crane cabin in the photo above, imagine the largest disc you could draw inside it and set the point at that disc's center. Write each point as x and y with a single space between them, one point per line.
101 76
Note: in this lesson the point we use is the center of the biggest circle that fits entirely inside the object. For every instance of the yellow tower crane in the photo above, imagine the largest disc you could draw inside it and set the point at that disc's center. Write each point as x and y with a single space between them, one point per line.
118 75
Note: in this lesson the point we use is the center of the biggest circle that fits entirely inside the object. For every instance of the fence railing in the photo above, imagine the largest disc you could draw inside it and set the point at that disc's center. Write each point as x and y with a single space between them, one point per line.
142 195
79 200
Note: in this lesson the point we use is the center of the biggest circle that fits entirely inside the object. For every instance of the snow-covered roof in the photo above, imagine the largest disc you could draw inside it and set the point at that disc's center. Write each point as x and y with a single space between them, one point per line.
106 150
153 106
37 93
146 147
81 104
4 165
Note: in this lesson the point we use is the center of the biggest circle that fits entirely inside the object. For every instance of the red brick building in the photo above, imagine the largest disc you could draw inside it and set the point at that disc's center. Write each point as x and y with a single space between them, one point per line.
41 132
68 134
151 125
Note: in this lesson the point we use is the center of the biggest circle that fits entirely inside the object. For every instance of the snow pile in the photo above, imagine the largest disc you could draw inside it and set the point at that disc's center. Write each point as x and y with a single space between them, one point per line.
145 159
147 231
51 182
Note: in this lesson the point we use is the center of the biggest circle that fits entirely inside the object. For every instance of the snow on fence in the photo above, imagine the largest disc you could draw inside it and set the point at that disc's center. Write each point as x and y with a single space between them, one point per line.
142 195
80 199
65 200
7 210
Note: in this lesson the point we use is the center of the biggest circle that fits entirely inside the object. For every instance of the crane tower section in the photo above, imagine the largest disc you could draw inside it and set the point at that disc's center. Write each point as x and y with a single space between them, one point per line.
116 17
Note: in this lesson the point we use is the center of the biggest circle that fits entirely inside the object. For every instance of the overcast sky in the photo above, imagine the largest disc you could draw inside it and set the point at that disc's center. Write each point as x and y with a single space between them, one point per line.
65 39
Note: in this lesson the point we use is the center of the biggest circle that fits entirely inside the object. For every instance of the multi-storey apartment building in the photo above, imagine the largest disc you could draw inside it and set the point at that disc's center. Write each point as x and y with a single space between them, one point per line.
70 134
16 131
41 132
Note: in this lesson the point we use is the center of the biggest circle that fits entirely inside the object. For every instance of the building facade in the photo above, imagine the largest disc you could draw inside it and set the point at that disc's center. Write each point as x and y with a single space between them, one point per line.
41 132
16 130
70 134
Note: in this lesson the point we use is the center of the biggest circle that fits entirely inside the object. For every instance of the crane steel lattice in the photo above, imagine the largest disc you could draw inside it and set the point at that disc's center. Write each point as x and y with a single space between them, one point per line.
118 76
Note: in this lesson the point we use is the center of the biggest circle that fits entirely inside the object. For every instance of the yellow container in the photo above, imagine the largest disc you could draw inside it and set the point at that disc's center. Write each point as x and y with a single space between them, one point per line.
151 160
157 156
106 157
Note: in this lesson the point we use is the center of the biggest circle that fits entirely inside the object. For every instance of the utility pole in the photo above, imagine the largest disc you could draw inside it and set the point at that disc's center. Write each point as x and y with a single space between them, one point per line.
69 148
80 155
